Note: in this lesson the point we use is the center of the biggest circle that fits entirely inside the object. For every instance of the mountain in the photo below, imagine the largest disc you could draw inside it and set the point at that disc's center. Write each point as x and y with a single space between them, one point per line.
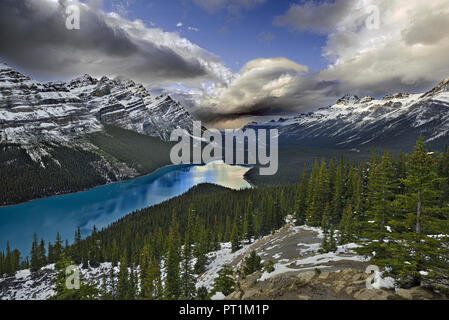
62 137
395 120
128 105
34 112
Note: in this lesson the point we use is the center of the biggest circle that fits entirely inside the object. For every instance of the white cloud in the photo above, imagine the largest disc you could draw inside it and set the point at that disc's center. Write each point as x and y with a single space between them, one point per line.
264 86
179 24
193 29
408 52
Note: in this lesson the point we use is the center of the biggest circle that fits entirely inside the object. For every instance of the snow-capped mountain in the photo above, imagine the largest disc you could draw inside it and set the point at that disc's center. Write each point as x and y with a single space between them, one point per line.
57 111
128 105
395 120
34 112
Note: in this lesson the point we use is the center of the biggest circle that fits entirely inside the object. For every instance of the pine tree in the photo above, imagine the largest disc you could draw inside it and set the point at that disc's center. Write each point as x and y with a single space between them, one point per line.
301 199
123 279
173 282
57 250
252 263
235 237
414 248
320 196
248 223
86 291
382 187
35 263
42 259
187 278
348 226
338 198
224 283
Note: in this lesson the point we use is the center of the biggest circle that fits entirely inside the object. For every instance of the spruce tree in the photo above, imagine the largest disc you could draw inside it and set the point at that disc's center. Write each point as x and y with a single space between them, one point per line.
224 283
235 237
187 278
123 279
300 208
173 281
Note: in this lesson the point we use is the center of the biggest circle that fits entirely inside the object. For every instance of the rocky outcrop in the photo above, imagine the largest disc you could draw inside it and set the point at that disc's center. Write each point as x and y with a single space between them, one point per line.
347 284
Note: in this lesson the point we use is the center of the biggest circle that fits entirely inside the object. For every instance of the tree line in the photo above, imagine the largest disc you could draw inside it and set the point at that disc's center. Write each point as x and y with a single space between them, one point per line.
396 208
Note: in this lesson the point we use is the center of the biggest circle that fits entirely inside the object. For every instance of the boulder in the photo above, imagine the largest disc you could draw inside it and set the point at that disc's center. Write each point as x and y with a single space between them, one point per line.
416 293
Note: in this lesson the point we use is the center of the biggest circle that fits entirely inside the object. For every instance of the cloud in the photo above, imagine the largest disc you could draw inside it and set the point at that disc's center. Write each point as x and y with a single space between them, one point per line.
33 37
179 24
232 6
264 87
408 52
193 29
315 17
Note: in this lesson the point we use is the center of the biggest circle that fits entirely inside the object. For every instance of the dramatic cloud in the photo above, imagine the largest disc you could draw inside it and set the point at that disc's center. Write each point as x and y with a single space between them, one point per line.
407 52
33 36
315 17
264 87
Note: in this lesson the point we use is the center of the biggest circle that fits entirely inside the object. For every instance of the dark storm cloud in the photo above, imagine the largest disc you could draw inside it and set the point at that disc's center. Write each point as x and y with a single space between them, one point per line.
33 36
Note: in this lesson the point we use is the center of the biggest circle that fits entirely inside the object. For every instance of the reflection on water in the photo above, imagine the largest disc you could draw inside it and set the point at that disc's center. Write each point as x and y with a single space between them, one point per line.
104 205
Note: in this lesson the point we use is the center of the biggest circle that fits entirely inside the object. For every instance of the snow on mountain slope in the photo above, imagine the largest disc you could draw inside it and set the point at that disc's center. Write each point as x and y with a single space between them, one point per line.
31 111
396 119
129 105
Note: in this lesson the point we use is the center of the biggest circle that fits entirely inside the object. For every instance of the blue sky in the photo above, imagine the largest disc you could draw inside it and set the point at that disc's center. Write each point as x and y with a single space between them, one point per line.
235 38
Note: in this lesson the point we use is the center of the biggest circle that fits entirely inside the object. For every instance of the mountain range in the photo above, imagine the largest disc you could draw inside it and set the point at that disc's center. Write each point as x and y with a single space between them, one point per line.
61 137
394 121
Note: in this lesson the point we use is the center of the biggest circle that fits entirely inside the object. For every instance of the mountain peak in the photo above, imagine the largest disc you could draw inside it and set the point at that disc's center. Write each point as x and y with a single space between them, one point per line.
441 87
82 81
348 99
398 95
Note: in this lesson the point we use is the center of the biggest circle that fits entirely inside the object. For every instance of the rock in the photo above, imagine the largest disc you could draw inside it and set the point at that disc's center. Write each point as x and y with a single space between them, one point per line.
236 295
351 290
416 293
373 294
306 276
303 297
338 286
251 294
324 275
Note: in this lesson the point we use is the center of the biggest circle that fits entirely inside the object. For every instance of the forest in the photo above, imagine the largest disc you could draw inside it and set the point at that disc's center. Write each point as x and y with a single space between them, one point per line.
395 207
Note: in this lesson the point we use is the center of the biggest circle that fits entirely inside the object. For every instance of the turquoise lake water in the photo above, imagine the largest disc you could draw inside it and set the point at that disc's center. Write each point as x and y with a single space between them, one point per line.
103 205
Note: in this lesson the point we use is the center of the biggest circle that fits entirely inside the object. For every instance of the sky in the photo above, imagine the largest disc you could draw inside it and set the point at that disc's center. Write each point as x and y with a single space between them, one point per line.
230 60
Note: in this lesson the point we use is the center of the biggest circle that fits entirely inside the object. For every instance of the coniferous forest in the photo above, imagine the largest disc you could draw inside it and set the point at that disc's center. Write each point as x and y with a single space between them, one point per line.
395 206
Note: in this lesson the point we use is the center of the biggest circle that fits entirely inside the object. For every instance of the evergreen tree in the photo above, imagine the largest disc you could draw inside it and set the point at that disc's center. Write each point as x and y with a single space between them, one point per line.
235 237
173 282
252 263
187 278
86 291
248 223
123 279
301 199
35 263
224 283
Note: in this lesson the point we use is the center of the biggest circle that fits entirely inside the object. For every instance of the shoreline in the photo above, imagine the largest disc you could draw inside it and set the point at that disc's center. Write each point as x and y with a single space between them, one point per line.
97 186
157 170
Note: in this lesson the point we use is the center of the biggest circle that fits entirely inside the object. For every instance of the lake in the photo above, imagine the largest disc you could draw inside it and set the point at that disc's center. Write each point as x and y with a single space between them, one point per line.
103 205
